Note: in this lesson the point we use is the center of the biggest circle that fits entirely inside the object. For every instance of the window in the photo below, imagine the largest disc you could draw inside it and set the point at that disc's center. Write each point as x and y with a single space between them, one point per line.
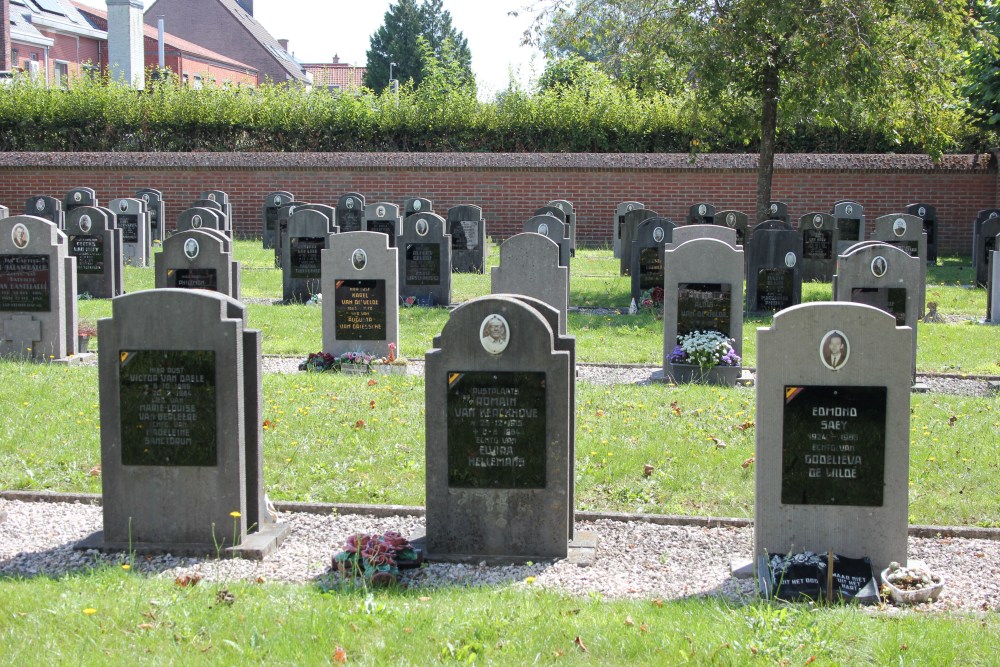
62 74
197 82
15 61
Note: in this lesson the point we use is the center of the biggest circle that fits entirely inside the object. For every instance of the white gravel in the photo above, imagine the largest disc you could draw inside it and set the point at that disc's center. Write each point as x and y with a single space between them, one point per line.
635 559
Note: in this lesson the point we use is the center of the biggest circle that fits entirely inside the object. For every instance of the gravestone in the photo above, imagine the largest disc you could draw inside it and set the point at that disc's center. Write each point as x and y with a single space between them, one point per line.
78 197
831 464
134 223
563 213
928 217
774 278
702 291
778 210
96 242
38 318
770 225
735 220
985 243
467 227
701 214
273 201
281 229
569 210
850 218
616 230
308 235
360 294
384 218
529 266
329 211
156 209
500 474
198 217
555 229
198 259
647 254
223 200
886 277
425 260
417 205
993 289
47 208
4 212
225 224
181 415
629 224
686 233
351 212
819 237
906 232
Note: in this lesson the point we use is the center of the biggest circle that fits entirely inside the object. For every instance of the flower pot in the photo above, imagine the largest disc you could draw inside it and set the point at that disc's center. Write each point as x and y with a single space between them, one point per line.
725 376
903 596
82 342
355 369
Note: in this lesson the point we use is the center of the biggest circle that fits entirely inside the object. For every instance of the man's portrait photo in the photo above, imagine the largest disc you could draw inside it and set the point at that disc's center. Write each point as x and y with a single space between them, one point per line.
493 334
191 248
19 235
834 350
359 258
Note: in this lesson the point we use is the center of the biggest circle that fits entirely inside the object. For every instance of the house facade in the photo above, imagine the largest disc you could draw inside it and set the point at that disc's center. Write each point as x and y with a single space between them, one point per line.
50 39
336 75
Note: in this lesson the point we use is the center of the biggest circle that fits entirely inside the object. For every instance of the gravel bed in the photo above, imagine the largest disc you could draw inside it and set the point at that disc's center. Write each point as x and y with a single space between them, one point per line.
634 560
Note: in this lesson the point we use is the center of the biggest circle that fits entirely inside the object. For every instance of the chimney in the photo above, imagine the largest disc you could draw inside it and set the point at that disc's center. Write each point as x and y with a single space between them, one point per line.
336 59
126 45
247 6
5 63
283 43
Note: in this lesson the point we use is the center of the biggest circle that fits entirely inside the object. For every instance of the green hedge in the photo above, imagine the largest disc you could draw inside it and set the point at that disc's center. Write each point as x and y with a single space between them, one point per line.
96 116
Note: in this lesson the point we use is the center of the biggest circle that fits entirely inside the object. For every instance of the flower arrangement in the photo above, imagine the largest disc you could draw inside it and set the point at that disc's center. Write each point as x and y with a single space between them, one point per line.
377 558
408 301
704 349
350 362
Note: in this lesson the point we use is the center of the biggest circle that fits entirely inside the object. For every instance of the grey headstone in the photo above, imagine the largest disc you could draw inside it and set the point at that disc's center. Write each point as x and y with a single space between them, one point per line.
96 242
78 197
819 237
770 225
553 228
360 294
351 212
47 208
281 230
651 236
499 475
702 291
198 259
903 230
627 228
417 205
223 199
735 220
4 212
778 210
384 218
133 220
329 211
308 235
928 216
181 414
273 201
616 230
569 210
701 213
993 289
706 231
831 465
774 277
850 218
529 266
157 210
467 227
38 318
198 217
425 260
985 242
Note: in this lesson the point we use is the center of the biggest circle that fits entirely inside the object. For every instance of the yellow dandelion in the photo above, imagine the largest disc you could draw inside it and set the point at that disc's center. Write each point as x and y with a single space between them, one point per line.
126 567
235 514
529 580
89 611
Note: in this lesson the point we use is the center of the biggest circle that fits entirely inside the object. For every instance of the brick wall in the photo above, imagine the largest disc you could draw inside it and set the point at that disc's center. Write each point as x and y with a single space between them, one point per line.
509 187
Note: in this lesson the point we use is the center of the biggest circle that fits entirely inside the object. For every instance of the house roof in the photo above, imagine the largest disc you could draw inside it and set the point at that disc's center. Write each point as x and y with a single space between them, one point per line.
261 34
27 16
99 18
342 75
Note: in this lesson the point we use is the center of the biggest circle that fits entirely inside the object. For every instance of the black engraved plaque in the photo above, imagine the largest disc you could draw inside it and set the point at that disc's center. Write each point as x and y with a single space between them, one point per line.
891 300
194 279
24 283
650 268
129 224
360 309
89 253
817 244
423 264
305 256
703 307
774 289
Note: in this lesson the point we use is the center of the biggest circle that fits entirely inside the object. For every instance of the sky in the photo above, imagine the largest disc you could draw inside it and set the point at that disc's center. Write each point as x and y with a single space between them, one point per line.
317 30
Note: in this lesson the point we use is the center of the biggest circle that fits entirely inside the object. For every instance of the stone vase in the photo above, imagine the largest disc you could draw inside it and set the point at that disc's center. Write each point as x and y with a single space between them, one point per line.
725 376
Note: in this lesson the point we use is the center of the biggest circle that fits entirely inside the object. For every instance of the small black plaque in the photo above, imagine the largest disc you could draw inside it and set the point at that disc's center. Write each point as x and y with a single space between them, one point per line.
850 229
129 224
833 446
817 244
387 227
891 300
168 404
349 220
360 309
423 264
24 283
650 268
496 430
464 235
89 253
703 307
305 256
193 279
774 289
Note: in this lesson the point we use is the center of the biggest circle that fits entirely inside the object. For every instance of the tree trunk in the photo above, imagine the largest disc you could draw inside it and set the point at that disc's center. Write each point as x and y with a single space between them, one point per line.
768 127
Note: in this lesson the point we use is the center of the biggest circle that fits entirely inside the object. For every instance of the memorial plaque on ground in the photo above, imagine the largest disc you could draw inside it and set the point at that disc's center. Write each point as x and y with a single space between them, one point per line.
384 218
629 224
929 221
529 266
47 208
157 211
467 227
181 410
647 254
819 238
616 230
96 243
273 201
198 259
78 197
361 294
702 290
37 290
134 223
701 214
569 210
831 464
425 260
985 243
774 280
735 220
499 390
301 264
850 219
351 212
553 228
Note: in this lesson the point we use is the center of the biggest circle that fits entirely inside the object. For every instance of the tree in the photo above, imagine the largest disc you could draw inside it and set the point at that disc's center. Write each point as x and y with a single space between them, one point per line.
396 41
812 60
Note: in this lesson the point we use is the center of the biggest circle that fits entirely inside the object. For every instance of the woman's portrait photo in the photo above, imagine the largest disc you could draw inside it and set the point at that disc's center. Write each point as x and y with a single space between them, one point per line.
494 334
191 248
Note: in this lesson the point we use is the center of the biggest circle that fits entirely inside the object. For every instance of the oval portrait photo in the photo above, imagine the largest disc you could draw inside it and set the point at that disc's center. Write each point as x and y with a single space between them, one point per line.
494 334
834 350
